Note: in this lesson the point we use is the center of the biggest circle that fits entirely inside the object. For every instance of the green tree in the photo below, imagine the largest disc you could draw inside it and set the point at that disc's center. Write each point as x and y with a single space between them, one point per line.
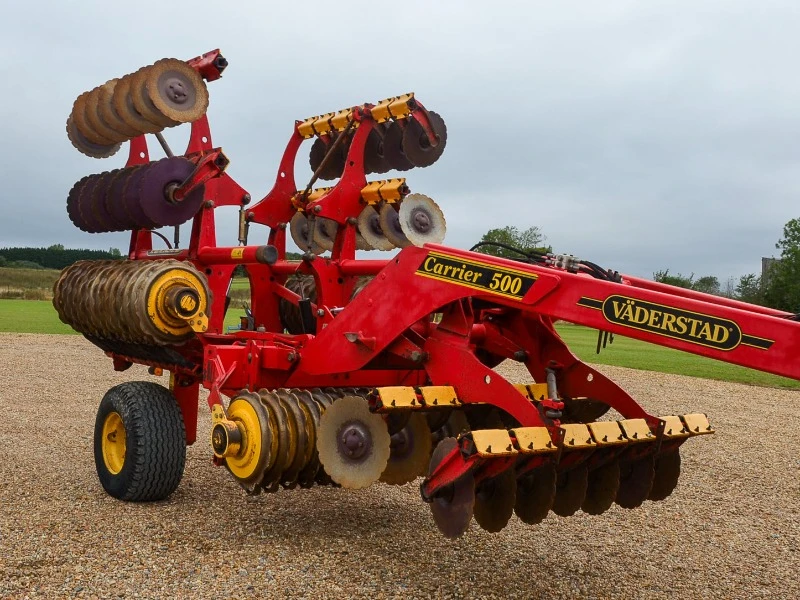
749 289
56 248
782 288
3 261
707 284
115 252
677 280
530 240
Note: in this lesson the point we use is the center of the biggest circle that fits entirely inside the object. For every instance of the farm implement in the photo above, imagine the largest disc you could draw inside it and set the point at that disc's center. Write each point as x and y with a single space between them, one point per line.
349 371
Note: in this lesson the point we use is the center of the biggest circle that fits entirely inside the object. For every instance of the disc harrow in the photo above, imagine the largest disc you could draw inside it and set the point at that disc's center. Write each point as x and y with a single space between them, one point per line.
164 94
349 371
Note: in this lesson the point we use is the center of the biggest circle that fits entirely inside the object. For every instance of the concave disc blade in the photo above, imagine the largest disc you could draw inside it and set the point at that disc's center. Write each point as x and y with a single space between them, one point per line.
570 490
667 473
422 220
602 489
98 202
325 232
142 102
84 146
390 225
636 481
95 119
369 226
375 160
297 425
583 410
270 480
87 218
114 200
353 443
410 452
308 474
123 105
107 112
176 90
393 148
416 145
154 196
298 228
317 153
536 492
73 210
494 501
453 506
131 199
79 116
254 456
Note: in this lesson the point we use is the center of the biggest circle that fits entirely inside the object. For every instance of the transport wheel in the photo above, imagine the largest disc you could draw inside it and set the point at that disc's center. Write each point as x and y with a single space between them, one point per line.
570 490
636 481
602 490
410 452
453 506
668 470
494 501
139 442
536 492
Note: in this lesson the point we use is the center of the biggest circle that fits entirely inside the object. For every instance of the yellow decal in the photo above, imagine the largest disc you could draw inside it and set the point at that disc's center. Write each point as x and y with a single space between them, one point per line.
477 275
237 253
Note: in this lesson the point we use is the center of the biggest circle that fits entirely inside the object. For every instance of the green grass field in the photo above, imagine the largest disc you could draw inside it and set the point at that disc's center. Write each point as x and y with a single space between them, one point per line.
30 316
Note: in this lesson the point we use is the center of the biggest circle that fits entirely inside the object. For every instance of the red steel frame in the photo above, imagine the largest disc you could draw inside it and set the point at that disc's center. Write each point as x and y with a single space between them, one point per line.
385 336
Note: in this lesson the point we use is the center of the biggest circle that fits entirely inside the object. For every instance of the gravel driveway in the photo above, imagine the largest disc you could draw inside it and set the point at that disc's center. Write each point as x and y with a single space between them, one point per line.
731 529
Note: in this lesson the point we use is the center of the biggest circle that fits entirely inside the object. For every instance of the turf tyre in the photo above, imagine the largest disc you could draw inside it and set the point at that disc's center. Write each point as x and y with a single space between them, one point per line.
155 449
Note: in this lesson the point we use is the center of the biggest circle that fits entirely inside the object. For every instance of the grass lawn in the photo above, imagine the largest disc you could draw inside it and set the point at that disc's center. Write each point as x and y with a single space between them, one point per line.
31 316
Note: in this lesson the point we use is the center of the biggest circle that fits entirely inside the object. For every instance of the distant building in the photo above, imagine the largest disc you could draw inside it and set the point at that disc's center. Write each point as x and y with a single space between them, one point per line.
766 266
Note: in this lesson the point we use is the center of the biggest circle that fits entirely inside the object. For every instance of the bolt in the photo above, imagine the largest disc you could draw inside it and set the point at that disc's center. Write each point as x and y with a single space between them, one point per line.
291 357
320 312
208 204
520 356
246 199
318 209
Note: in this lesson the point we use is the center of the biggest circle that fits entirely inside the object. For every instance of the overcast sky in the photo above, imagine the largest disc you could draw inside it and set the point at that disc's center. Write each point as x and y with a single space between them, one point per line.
638 135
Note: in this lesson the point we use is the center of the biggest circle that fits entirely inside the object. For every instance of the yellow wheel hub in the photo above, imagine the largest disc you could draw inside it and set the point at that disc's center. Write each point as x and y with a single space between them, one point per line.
247 462
114 439
177 302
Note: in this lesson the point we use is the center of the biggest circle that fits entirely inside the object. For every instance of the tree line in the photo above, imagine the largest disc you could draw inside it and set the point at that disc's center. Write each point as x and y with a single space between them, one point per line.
53 257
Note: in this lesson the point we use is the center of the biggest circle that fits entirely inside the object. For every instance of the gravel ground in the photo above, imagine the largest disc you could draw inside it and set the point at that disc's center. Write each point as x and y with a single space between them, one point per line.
731 529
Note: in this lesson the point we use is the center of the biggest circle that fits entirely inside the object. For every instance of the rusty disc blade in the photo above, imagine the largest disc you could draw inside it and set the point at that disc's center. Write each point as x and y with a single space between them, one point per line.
416 145
97 203
453 506
87 220
369 226
602 489
353 443
393 148
79 115
390 225
317 153
122 101
583 410
84 146
132 199
570 490
667 473
410 452
636 481
176 90
107 112
114 203
308 474
422 220
494 501
96 121
536 492
154 192
142 102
